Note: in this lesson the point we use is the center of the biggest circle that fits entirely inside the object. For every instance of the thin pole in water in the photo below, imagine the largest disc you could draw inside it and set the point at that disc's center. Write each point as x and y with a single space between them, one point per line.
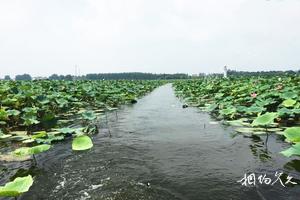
116 114
106 119
34 160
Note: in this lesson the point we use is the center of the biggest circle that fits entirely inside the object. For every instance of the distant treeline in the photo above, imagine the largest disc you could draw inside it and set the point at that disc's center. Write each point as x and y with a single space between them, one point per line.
150 76
106 76
257 73
262 73
134 76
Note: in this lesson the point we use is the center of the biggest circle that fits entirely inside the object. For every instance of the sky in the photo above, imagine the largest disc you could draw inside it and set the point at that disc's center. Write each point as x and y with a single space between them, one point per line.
42 37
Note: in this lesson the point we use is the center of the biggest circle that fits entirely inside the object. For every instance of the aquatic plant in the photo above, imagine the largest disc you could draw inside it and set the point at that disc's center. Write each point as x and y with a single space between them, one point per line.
82 142
256 105
16 187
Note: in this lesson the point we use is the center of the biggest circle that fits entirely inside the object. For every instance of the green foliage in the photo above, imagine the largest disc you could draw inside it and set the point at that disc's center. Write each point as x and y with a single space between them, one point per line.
265 119
243 96
82 142
57 105
292 134
294 150
89 115
289 102
16 187
3 114
269 102
25 151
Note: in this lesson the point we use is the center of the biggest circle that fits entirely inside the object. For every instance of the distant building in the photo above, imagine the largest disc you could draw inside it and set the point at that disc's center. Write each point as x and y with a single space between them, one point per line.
225 71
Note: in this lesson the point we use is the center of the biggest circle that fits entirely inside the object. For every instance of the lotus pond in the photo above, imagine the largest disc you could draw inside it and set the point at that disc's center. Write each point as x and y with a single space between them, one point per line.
133 139
36 114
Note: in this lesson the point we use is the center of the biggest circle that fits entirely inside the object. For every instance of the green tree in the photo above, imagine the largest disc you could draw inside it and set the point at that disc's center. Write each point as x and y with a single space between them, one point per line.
7 77
24 77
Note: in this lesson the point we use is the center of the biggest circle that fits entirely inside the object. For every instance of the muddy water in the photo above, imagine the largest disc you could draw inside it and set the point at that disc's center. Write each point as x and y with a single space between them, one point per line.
158 151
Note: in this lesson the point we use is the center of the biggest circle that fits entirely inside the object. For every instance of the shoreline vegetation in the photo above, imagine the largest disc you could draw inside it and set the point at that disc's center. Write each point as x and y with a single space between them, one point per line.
257 106
148 76
35 115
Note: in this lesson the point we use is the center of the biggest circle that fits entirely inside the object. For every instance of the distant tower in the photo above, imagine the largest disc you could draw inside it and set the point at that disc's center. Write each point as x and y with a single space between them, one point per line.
225 71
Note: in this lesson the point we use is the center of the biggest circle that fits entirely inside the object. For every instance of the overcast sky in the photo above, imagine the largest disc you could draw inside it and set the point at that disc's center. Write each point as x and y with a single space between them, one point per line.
42 37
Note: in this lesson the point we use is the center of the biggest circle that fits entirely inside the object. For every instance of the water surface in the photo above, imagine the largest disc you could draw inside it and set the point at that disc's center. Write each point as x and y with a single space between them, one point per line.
156 150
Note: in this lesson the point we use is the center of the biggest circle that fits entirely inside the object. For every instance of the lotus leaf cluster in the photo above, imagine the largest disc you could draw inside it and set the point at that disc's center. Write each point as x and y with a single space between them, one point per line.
35 114
256 105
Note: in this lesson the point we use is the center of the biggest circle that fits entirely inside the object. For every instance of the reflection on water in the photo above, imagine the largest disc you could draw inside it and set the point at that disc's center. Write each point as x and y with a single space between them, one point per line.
293 165
157 150
259 148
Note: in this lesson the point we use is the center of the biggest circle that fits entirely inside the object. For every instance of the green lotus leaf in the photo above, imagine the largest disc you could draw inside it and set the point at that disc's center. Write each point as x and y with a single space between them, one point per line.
82 142
61 102
13 112
16 187
249 130
274 129
238 122
259 133
211 107
294 150
30 110
3 114
19 137
235 123
285 111
39 134
80 111
289 102
244 130
42 99
89 115
228 111
25 151
99 111
53 133
111 109
254 109
50 139
289 95
292 134
28 141
265 119
265 102
279 133
4 136
18 133
296 111
9 101
64 121
30 121
65 130
40 148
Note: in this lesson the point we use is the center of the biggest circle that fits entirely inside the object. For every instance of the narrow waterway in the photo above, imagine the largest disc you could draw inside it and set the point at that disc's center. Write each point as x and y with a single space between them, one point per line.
159 151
